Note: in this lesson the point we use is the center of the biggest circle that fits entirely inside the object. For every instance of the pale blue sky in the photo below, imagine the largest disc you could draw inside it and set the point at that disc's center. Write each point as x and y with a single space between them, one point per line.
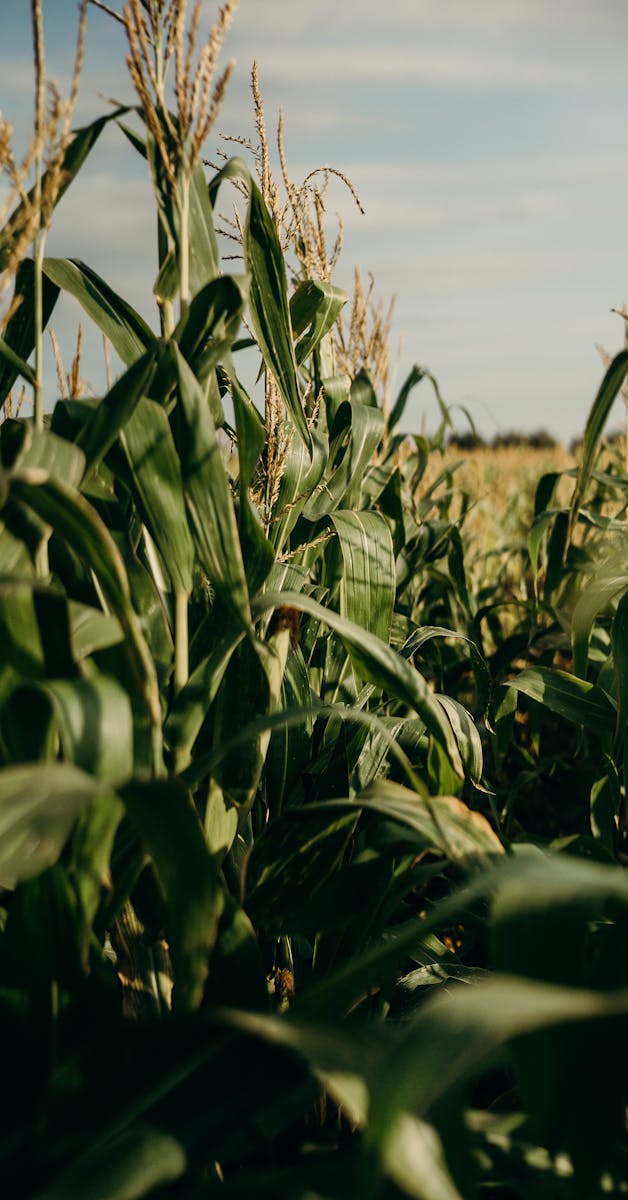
487 140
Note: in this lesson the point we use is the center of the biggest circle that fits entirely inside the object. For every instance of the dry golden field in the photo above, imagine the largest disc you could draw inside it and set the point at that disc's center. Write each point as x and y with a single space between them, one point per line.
497 488
492 490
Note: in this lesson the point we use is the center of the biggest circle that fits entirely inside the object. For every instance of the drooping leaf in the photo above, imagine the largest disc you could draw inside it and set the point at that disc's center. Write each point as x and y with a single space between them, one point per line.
441 823
399 407
93 718
105 421
467 737
127 331
314 309
425 633
129 1164
32 447
209 325
39 803
13 365
581 702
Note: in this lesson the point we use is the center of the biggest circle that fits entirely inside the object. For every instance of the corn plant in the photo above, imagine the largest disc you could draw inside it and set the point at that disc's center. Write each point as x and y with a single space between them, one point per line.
278 913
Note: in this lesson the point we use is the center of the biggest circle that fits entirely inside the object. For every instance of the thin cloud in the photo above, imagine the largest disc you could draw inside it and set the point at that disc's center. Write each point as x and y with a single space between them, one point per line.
419 66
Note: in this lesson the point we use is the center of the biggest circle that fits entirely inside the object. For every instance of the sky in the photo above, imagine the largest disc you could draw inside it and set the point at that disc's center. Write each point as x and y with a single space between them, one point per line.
487 140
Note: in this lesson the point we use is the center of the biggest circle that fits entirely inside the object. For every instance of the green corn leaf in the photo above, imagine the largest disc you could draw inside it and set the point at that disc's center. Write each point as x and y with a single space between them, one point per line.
268 299
600 410
467 737
536 536
604 806
610 579
107 418
355 435
207 495
252 689
457 572
548 933
204 257
78 523
169 826
91 630
556 550
336 391
545 492
362 390
376 480
39 804
192 703
131 1163
451 1037
208 327
399 407
575 699
237 970
538 902
22 646
378 663
314 310
270 311
40 448
18 341
204 253
289 752
245 692
147 441
441 823
92 716
367 590
334 994
257 550
300 477
128 333
416 375
619 638
414 1159
426 633
91 847
13 366
293 859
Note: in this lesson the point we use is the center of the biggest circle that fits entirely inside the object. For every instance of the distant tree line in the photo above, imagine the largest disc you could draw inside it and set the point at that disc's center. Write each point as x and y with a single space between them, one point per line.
539 439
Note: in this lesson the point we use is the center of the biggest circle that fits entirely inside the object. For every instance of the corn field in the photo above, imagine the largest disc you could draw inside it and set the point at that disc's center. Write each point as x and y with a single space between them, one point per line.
312 762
